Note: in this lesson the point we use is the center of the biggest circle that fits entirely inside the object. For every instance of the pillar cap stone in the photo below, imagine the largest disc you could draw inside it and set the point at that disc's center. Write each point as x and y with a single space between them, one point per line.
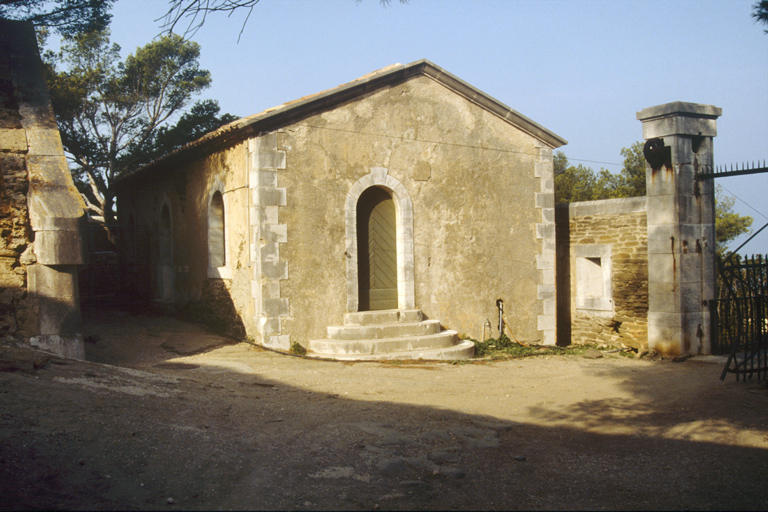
679 118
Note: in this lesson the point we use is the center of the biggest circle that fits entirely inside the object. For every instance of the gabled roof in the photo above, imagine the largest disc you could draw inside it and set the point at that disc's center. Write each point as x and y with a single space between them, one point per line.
285 114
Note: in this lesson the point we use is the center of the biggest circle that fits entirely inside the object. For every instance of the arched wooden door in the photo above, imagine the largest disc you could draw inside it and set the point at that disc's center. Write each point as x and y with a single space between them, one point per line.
377 250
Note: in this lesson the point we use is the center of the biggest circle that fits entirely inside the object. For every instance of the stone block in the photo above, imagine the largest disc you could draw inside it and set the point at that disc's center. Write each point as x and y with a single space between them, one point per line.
421 171
264 141
270 252
665 332
270 289
270 196
679 118
13 140
690 267
548 277
545 322
274 233
71 346
274 307
266 178
544 292
44 142
59 247
662 209
545 261
545 200
663 268
689 209
55 291
661 182
269 159
690 298
278 342
274 269
51 170
660 238
378 176
271 326
545 230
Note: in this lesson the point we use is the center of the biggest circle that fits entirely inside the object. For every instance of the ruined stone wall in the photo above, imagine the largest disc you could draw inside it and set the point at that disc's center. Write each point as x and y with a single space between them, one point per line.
603 272
40 210
14 217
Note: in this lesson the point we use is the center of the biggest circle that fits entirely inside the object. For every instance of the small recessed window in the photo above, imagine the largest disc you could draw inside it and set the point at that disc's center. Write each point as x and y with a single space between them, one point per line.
593 278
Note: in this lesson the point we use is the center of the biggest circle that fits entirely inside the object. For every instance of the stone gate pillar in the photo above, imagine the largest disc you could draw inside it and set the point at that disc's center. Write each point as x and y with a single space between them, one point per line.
681 225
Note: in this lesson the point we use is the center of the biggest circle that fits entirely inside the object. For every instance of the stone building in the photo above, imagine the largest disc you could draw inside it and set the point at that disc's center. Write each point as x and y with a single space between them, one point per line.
380 217
40 209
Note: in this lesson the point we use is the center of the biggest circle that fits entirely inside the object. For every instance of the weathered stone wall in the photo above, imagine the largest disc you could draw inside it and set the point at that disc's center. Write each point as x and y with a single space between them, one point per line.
483 215
14 217
40 209
222 297
472 180
610 236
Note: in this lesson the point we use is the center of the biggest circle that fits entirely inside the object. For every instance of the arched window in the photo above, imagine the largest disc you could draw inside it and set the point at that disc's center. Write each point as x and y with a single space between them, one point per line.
217 254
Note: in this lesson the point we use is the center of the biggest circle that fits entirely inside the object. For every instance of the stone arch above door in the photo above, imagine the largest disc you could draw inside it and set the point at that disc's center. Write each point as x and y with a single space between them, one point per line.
379 177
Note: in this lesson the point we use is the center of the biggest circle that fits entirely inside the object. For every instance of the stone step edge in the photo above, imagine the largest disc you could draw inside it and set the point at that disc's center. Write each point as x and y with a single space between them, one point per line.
392 316
404 330
464 350
440 340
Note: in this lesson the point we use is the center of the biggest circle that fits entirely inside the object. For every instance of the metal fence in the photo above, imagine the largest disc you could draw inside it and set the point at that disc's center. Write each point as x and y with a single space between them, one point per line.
739 316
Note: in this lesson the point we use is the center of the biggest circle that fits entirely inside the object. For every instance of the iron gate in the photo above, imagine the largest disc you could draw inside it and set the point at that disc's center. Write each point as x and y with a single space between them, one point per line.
117 272
739 316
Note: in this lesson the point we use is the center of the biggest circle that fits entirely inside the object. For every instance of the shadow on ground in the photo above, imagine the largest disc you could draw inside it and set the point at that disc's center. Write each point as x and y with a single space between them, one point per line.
242 428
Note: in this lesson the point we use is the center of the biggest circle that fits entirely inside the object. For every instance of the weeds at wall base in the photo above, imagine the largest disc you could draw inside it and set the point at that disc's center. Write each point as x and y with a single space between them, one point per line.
504 348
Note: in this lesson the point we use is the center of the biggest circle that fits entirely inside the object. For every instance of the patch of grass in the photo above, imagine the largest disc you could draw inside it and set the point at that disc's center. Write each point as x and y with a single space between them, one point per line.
298 349
505 348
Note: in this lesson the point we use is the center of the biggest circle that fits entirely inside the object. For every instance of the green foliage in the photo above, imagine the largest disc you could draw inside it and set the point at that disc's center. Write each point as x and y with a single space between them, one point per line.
108 110
203 117
505 348
760 12
67 17
580 183
298 349
572 183
728 224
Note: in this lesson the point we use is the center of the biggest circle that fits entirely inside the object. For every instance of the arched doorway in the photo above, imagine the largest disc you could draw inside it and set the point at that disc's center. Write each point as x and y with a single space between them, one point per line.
377 250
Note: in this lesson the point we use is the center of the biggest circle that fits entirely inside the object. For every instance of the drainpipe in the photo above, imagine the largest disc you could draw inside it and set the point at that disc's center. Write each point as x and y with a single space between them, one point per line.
500 305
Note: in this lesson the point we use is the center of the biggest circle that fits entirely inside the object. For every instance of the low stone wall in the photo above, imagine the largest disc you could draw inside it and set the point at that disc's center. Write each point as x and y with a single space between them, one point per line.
602 272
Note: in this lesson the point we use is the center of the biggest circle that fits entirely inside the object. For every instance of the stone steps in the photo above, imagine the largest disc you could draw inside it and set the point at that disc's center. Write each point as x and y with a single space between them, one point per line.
390 334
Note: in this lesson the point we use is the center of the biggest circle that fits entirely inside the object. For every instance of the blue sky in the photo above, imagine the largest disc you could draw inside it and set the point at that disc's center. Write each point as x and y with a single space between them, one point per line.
582 69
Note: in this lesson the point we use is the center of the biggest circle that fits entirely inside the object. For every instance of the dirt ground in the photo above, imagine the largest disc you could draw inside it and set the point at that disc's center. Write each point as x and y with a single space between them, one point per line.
166 415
